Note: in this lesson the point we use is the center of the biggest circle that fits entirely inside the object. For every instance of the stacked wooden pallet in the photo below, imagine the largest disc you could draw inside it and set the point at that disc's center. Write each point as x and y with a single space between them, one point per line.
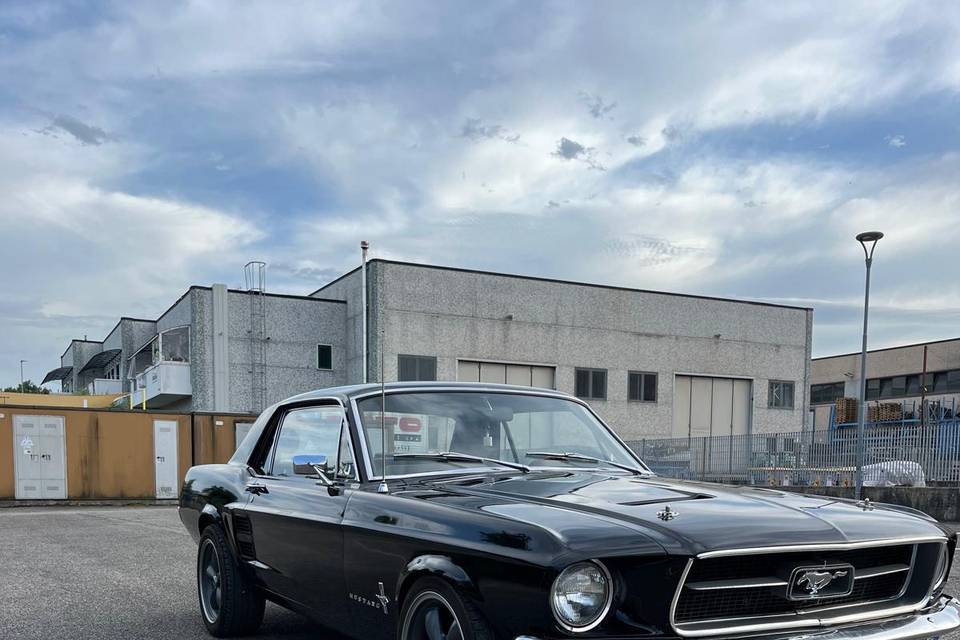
884 411
846 410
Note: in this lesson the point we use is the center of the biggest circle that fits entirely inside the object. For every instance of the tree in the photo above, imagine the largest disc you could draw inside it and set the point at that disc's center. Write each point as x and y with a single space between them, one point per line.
27 387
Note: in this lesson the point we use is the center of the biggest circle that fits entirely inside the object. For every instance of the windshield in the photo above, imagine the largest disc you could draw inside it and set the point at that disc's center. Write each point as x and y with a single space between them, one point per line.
494 425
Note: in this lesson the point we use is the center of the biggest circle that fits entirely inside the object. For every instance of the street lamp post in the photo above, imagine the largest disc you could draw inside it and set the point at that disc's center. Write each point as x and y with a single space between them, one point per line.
21 375
868 240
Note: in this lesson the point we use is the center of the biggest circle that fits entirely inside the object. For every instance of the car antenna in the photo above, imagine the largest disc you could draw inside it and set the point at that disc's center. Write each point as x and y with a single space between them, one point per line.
383 488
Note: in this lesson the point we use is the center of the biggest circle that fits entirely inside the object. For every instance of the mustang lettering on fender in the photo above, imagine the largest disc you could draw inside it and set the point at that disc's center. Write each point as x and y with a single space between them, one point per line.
380 601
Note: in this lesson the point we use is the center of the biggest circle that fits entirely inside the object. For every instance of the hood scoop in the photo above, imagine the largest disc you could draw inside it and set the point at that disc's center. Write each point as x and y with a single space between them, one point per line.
677 497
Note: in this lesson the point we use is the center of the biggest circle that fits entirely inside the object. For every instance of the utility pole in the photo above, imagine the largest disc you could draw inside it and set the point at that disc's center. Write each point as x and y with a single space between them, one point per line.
21 374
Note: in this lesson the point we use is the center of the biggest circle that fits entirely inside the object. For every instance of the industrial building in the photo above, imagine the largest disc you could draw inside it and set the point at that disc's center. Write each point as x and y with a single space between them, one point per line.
214 349
919 377
653 364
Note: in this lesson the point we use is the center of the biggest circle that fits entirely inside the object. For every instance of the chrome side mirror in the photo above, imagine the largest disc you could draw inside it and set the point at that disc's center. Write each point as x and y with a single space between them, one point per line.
310 463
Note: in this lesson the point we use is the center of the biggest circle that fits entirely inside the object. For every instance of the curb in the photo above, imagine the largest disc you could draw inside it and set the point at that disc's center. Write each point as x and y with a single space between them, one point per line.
13 504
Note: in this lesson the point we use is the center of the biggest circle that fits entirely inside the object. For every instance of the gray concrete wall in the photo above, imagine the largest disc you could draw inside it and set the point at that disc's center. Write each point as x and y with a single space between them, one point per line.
128 336
78 355
887 362
139 331
295 326
348 288
181 313
942 503
455 314
201 350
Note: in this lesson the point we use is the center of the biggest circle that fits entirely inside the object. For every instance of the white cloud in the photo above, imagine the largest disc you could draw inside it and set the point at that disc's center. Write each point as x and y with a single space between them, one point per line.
437 132
84 254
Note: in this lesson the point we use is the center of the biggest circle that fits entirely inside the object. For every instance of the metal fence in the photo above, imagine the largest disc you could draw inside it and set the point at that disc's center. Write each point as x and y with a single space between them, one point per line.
893 455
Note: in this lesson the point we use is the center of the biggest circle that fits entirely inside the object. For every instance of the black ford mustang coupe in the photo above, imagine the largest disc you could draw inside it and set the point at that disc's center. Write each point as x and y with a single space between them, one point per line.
440 511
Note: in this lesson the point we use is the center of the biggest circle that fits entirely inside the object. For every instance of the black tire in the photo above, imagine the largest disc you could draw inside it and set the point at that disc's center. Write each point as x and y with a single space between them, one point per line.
229 605
452 608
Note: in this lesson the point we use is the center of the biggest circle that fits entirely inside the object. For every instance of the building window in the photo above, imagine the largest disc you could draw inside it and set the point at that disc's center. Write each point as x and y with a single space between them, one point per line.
781 395
826 393
324 356
416 368
641 386
905 386
591 384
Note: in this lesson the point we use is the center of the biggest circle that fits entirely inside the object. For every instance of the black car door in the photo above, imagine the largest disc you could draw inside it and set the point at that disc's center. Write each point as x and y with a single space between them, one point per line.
295 520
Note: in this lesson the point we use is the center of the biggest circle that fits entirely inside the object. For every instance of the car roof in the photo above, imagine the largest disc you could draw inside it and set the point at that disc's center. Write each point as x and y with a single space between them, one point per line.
347 392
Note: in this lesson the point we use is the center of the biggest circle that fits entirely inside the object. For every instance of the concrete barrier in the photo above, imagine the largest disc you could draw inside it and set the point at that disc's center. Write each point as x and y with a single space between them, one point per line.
943 503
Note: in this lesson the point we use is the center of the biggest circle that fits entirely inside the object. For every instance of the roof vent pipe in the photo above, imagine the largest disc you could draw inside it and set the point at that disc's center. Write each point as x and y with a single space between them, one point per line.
364 245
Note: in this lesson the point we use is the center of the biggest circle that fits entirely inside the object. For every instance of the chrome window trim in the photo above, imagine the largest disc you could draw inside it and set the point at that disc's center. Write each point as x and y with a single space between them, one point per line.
533 391
809 622
313 402
606 607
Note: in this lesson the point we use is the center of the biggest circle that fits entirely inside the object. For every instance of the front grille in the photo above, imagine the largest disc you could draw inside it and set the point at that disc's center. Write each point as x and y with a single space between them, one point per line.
750 586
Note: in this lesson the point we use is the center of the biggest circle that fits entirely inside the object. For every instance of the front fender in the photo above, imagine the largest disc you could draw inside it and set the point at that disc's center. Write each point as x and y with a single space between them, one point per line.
435 565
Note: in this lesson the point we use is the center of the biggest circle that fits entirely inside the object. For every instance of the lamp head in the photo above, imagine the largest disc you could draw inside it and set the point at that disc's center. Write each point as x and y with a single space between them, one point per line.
868 240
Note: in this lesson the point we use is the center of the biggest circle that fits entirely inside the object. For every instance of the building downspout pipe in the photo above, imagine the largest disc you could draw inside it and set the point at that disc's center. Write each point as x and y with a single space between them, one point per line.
364 245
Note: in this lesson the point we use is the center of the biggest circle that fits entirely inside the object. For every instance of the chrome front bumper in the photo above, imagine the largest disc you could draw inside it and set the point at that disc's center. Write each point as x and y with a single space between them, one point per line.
935 621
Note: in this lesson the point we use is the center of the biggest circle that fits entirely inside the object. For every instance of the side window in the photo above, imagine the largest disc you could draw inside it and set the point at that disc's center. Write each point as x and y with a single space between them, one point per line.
312 430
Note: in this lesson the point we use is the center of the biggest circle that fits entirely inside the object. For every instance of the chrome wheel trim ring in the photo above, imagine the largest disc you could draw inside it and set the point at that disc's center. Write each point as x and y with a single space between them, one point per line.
210 581
418 603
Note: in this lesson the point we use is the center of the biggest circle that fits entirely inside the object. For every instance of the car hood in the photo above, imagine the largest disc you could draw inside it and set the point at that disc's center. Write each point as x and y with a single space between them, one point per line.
703 516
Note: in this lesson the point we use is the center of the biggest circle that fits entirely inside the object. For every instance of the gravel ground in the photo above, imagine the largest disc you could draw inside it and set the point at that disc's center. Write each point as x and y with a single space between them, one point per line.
127 572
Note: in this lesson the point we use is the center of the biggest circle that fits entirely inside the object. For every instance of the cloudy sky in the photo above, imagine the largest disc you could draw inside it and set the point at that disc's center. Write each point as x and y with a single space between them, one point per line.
731 149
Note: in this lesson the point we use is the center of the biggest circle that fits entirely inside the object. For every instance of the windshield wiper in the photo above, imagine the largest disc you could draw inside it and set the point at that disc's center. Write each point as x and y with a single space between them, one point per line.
561 455
455 456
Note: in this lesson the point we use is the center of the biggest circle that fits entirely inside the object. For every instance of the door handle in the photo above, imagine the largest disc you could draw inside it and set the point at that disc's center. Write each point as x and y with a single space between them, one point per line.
256 489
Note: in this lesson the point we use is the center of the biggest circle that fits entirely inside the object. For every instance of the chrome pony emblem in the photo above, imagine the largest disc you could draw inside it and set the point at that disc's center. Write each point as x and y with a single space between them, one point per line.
382 597
821 582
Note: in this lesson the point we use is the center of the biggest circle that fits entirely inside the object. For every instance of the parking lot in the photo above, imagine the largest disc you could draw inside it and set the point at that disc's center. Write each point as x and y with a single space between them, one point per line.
122 572
97 573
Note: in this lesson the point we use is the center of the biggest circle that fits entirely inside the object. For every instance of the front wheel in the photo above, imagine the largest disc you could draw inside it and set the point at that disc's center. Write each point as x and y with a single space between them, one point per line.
229 605
434 610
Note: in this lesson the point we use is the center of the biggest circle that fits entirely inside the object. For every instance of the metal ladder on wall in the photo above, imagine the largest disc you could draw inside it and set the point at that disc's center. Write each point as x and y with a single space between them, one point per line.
255 276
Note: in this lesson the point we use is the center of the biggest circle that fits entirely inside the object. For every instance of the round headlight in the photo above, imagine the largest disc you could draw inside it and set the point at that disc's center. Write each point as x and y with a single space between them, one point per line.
581 596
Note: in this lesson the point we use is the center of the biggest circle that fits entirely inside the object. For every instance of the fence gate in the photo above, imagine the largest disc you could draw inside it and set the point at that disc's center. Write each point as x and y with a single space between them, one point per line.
39 457
165 455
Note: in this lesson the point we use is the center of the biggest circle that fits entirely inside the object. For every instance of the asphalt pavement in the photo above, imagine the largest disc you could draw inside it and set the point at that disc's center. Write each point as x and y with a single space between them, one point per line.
97 573
115 572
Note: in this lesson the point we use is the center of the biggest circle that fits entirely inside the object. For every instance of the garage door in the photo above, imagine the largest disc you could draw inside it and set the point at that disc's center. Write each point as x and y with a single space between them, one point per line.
705 406
506 373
